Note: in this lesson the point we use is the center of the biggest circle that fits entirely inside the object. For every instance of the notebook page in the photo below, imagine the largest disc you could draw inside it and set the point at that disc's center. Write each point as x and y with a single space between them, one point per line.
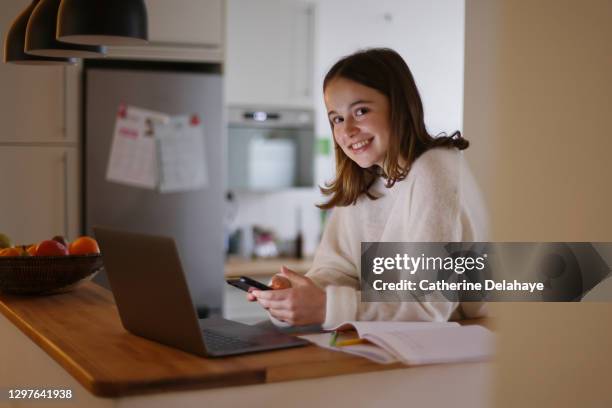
366 327
440 345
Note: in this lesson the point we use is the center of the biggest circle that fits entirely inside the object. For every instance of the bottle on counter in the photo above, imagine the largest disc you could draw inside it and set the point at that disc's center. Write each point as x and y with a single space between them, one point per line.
299 237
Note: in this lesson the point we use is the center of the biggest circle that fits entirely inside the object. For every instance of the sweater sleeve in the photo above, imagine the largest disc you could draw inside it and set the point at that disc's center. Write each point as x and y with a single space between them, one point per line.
333 263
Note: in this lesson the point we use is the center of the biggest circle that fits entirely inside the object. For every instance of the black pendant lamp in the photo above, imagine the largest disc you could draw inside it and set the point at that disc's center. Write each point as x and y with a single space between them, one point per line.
109 22
40 35
15 41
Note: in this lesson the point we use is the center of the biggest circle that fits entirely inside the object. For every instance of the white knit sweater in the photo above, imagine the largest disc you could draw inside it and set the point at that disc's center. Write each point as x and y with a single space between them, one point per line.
438 201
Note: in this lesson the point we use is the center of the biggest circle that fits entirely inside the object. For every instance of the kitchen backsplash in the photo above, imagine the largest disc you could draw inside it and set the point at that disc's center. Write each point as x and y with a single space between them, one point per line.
278 211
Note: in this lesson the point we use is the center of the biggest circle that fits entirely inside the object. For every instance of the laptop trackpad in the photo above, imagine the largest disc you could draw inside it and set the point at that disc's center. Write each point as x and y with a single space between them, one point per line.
244 331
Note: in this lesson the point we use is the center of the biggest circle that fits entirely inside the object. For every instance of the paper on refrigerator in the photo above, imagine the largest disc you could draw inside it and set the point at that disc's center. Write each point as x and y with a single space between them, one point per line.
181 153
133 154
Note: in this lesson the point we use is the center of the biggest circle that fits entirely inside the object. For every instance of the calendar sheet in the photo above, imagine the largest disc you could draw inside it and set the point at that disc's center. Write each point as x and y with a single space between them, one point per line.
182 154
133 154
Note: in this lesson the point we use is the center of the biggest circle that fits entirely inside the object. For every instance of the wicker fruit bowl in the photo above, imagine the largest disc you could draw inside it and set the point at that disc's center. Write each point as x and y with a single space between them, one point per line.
46 275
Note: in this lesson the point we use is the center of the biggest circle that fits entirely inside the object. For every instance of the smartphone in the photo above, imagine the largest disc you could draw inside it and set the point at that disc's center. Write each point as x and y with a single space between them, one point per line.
245 283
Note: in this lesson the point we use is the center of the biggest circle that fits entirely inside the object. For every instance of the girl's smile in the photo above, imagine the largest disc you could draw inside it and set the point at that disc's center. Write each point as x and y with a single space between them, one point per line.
361 146
359 117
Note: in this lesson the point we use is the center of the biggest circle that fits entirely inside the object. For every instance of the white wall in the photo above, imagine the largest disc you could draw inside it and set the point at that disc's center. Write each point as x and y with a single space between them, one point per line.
428 34
278 210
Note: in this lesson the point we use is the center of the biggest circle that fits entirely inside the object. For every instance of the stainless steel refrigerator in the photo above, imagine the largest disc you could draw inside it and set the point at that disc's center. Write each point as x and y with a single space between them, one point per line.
195 218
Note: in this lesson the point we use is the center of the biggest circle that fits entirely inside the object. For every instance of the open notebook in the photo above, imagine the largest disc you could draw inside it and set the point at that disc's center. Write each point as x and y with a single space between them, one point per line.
414 343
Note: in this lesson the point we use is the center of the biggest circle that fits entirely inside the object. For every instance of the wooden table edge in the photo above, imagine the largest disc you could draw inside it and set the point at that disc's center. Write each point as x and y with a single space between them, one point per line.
56 354
110 389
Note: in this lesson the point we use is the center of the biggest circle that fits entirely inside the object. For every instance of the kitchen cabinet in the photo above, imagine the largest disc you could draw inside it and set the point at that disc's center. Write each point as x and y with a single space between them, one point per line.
39 187
269 53
39 159
37 103
32 104
180 30
189 22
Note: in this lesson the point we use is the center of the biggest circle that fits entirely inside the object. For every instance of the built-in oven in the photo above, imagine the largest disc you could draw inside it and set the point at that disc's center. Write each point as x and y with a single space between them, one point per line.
270 150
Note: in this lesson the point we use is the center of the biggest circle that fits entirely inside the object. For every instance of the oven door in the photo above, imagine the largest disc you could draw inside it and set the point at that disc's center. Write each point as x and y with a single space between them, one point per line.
270 159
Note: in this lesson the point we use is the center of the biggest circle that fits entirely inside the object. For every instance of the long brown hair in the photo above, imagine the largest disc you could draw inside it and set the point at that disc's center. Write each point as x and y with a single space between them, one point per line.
385 71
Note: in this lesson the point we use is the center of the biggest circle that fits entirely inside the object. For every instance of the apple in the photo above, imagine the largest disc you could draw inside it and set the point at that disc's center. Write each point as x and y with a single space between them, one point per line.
51 247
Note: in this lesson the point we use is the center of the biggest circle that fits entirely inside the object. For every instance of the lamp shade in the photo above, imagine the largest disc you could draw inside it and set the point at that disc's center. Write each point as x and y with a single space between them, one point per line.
109 22
15 39
40 35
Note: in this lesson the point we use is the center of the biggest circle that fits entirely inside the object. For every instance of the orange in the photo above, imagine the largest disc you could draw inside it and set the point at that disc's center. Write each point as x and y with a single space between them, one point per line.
31 250
10 252
83 246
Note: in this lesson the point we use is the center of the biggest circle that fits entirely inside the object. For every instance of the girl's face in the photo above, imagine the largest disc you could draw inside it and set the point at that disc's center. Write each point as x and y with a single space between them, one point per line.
360 120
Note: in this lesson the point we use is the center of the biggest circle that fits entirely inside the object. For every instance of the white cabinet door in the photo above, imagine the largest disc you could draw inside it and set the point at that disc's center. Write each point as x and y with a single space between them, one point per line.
32 104
39 104
39 188
33 98
188 22
269 53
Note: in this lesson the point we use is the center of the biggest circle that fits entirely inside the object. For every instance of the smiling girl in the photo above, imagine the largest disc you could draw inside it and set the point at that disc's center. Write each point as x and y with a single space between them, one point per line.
394 182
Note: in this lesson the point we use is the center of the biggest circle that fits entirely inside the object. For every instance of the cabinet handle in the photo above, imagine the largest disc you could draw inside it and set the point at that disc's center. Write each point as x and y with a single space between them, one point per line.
66 212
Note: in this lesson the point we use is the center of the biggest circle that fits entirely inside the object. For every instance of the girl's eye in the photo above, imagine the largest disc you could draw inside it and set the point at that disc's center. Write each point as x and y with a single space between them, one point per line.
336 119
361 111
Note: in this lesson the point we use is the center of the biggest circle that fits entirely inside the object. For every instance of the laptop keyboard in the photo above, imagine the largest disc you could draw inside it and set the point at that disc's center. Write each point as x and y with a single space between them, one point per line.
219 342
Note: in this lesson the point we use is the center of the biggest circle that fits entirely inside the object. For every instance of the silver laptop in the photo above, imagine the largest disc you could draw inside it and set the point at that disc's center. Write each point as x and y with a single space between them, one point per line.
154 302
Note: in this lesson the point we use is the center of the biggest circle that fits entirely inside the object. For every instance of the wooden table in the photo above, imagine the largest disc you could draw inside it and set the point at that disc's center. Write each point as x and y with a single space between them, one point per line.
107 366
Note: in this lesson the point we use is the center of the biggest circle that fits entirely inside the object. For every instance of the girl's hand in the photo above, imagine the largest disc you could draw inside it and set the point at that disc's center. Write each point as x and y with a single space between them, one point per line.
278 282
301 304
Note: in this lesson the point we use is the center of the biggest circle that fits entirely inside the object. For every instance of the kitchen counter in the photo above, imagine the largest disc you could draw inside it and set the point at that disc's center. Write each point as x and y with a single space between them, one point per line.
266 267
80 333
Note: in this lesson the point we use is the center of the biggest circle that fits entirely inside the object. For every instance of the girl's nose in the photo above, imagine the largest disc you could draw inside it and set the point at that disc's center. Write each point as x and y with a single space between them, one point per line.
350 129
